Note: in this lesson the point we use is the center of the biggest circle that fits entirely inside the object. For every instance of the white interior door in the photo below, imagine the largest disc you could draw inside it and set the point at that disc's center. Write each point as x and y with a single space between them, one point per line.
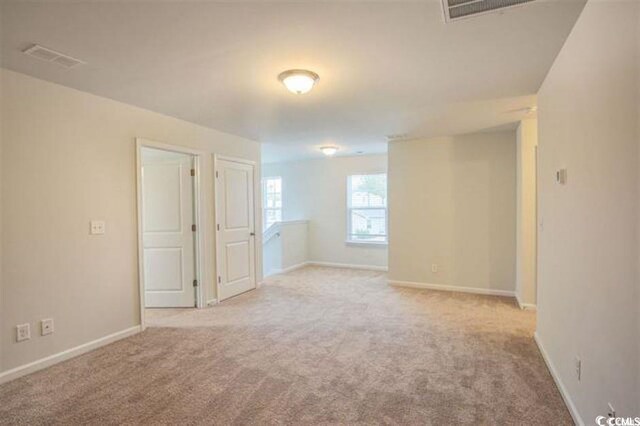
235 228
168 237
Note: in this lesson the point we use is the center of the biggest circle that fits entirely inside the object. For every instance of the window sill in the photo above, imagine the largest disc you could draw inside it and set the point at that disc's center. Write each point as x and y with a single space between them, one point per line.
367 243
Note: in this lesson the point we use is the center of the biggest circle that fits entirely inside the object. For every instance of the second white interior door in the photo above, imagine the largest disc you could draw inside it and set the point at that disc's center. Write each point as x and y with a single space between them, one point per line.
168 238
236 228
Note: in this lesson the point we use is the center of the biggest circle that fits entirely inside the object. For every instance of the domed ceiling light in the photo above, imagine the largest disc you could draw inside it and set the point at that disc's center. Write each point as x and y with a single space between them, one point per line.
329 150
299 81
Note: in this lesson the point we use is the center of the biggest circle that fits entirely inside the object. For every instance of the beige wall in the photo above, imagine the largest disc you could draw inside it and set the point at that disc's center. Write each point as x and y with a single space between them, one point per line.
452 202
1 257
588 246
69 157
316 190
527 141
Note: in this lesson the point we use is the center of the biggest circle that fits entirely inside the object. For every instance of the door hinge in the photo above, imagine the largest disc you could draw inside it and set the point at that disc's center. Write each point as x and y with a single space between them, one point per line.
193 228
218 226
219 279
216 174
193 172
195 283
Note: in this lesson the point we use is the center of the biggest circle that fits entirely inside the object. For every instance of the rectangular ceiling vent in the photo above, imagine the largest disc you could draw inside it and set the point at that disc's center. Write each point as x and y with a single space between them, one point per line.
51 55
455 10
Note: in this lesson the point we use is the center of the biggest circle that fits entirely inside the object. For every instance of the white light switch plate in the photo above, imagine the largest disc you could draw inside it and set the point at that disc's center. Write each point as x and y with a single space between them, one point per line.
97 227
46 326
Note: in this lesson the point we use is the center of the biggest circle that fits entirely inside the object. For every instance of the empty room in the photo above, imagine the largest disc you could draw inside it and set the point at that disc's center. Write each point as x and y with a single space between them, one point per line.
338 212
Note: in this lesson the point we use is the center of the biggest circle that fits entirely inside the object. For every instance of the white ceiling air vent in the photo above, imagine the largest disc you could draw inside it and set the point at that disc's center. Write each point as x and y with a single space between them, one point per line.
50 55
397 137
460 9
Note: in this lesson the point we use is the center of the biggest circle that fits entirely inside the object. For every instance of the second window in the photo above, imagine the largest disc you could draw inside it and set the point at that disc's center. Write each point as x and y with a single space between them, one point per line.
367 208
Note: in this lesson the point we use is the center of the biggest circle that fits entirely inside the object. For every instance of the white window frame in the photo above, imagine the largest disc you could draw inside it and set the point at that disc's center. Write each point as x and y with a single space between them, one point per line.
264 200
349 239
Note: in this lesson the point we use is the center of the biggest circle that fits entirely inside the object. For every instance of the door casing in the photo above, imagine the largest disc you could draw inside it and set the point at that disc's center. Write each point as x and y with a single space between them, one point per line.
198 218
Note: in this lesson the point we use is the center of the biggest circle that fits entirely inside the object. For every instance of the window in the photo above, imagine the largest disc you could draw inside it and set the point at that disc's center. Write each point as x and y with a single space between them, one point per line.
367 208
271 201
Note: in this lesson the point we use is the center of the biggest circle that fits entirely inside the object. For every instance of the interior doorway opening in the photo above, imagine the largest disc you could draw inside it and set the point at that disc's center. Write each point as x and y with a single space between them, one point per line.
168 227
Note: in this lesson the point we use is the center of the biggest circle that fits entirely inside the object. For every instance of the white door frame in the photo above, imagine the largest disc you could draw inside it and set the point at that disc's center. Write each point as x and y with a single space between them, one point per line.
198 217
218 242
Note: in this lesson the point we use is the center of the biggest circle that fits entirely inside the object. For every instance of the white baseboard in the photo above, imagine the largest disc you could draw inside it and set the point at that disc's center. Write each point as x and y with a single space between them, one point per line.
212 302
327 264
563 390
525 306
348 266
285 270
444 287
34 366
293 268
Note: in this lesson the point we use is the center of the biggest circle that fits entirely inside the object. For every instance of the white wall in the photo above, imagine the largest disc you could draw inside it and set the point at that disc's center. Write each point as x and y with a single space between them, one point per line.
271 253
526 233
452 202
286 246
69 157
588 247
316 190
295 243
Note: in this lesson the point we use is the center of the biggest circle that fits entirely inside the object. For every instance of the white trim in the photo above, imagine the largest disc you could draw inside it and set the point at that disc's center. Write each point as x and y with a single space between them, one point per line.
348 266
288 269
34 366
378 244
525 306
328 265
293 222
235 160
199 218
294 267
348 240
212 302
263 187
444 287
563 390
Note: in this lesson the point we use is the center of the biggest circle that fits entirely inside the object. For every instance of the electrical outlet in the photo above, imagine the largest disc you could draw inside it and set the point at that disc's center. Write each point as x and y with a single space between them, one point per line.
97 227
612 412
46 326
578 368
434 268
23 332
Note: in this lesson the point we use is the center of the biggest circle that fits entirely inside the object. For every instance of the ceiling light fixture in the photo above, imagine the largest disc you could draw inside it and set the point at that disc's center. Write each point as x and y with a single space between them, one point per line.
299 81
329 150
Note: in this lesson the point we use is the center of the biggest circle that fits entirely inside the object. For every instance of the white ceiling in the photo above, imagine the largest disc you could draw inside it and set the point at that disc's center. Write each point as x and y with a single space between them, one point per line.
385 67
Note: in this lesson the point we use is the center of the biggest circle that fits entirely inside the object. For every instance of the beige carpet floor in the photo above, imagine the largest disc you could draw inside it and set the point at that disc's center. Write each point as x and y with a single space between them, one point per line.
315 346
